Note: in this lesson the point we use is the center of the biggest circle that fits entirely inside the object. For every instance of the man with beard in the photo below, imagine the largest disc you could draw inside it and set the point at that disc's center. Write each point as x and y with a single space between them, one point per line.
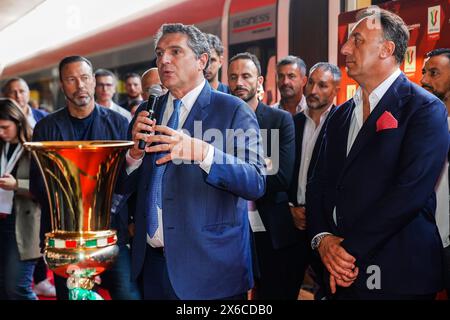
215 63
321 89
436 74
436 79
276 239
82 119
291 79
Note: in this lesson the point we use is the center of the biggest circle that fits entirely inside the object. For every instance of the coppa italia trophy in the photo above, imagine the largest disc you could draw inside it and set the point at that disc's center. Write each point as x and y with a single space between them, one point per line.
80 178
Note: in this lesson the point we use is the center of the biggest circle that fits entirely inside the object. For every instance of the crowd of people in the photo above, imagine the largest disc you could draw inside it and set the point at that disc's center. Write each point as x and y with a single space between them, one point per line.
231 196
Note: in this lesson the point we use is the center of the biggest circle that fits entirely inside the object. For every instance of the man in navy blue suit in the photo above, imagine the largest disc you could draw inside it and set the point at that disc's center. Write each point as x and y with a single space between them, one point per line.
371 200
192 236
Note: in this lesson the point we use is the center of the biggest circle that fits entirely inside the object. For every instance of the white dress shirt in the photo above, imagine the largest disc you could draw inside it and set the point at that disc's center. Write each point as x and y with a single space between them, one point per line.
442 204
302 105
310 134
187 103
30 118
124 112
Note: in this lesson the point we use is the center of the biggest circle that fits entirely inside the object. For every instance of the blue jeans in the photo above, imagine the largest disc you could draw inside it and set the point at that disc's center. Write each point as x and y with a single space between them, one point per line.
16 276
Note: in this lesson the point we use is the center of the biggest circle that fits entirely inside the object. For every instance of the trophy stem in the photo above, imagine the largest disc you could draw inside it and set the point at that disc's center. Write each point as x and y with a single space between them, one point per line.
80 284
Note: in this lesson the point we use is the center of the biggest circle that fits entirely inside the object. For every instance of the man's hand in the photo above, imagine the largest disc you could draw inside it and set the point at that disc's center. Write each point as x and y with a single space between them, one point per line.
338 262
177 144
299 217
334 282
142 123
8 182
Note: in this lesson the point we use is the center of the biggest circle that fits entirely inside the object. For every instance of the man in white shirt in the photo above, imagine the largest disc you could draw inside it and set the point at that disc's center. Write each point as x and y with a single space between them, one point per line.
371 200
192 237
436 79
321 89
105 88
18 90
291 79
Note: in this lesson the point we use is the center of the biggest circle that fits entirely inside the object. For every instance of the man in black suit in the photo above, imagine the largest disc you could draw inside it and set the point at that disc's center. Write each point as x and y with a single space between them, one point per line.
276 238
321 89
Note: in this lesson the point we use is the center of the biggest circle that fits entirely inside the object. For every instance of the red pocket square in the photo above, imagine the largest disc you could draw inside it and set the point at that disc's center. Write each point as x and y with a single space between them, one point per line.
386 121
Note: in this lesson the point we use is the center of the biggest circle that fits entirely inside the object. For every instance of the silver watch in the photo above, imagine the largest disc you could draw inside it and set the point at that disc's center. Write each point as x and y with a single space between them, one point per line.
315 242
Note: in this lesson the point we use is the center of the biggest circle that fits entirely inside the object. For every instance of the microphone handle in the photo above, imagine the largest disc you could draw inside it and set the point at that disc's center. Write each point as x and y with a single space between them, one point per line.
142 143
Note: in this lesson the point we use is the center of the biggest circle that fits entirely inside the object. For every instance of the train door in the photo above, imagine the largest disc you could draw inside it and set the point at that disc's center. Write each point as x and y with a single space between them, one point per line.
252 28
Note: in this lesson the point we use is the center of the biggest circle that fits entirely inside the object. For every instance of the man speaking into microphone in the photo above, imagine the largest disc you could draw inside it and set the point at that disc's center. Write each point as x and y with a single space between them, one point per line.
192 232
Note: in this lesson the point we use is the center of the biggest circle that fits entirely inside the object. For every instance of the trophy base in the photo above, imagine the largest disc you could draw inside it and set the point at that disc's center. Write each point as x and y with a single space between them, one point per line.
94 251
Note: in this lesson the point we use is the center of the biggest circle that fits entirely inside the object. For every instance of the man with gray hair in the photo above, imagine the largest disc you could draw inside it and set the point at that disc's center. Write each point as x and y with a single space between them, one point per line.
18 90
370 199
192 238
321 89
291 79
215 63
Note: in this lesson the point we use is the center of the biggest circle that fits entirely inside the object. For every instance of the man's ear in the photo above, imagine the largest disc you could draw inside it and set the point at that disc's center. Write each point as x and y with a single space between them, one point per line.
304 81
203 60
260 80
387 49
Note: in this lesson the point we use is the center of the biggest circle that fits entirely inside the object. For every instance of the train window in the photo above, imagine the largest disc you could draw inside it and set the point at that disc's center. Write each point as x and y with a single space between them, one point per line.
305 16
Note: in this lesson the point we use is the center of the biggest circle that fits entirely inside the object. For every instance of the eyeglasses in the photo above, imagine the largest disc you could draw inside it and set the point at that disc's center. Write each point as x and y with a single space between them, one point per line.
104 85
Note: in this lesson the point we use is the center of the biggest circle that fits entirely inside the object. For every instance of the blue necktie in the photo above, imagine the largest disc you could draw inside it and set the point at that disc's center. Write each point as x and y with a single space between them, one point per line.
154 197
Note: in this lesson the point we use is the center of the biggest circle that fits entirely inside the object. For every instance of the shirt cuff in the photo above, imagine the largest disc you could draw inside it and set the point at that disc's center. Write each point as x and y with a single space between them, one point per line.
132 164
207 162
316 241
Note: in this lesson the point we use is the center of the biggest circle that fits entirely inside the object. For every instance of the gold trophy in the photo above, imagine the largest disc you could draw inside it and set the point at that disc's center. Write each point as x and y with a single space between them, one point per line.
80 178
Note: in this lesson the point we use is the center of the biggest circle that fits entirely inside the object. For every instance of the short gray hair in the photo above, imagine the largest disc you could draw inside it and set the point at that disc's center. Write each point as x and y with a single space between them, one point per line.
293 60
197 40
326 66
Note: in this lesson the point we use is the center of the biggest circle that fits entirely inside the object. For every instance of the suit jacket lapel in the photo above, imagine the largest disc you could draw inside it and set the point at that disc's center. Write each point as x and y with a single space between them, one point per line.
260 115
396 96
199 111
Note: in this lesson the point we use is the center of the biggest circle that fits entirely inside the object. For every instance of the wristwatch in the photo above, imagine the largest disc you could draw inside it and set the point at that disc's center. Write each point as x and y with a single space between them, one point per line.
315 242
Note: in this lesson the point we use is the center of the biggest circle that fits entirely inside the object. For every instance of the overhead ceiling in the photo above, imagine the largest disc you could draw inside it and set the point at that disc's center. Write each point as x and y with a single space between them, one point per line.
12 10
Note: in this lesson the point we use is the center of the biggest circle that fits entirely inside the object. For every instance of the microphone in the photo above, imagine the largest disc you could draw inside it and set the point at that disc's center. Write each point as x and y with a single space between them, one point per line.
153 96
